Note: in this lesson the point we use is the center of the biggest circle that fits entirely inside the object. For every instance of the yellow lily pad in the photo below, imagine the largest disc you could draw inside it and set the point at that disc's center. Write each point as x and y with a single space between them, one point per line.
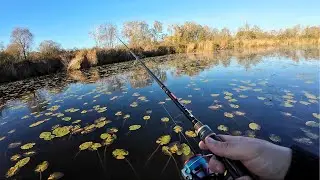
101 124
61 131
85 145
15 157
134 127
191 134
12 171
134 104
177 129
146 117
165 119
27 146
47 136
185 149
165 139
185 101
109 139
119 113
127 116
66 118
95 146
112 130
228 115
84 111
42 167
76 121
54 108
55 176
22 162
254 126
29 153
223 128
120 153
165 150
37 123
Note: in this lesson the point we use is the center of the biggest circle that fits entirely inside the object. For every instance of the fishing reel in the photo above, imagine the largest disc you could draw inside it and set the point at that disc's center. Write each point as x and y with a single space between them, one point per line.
196 167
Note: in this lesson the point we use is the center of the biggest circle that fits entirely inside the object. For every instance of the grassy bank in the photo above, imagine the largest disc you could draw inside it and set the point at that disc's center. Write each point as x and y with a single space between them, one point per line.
17 62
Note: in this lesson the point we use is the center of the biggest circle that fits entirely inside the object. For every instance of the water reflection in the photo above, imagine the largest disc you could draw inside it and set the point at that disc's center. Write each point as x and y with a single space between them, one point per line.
266 88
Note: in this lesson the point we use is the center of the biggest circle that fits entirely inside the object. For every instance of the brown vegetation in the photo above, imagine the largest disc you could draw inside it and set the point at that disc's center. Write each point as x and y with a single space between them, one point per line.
17 61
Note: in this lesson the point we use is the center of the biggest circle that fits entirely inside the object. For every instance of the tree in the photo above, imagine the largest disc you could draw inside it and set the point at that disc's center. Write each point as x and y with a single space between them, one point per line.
157 31
49 48
1 46
23 39
105 35
137 32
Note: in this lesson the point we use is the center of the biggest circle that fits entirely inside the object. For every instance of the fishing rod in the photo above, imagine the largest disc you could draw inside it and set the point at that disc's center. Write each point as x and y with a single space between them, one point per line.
197 167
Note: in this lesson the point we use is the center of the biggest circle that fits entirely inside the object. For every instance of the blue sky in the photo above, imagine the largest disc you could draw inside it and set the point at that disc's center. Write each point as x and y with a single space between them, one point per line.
69 21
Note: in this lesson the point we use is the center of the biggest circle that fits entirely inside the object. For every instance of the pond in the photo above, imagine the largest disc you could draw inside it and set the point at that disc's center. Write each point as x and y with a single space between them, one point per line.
114 122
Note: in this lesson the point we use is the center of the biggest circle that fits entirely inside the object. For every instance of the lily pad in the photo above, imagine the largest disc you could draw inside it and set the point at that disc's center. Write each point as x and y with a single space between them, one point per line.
12 171
120 153
42 167
316 115
134 127
146 117
191 134
95 146
55 176
228 115
119 113
85 145
312 124
165 119
61 131
274 138
22 162
177 129
223 128
254 126
27 146
15 157
163 140
239 113
47 136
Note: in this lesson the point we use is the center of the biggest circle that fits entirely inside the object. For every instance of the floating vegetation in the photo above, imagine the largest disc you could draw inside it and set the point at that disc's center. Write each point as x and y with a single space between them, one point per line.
185 101
214 95
223 128
66 119
120 153
61 131
304 103
27 146
165 119
127 116
146 117
14 145
47 136
215 107
177 129
242 96
275 138
15 157
228 115
235 106
134 127
55 176
134 104
254 126
190 134
316 115
38 123
119 113
85 145
261 98
312 124
239 113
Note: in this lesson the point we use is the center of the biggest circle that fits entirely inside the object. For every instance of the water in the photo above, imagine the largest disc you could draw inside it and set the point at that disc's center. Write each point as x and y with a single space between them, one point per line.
282 92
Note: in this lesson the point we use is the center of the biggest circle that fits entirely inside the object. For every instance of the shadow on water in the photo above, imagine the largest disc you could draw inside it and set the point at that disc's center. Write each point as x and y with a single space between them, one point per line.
268 94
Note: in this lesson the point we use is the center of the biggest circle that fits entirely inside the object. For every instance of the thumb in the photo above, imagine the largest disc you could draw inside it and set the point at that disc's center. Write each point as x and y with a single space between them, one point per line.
224 149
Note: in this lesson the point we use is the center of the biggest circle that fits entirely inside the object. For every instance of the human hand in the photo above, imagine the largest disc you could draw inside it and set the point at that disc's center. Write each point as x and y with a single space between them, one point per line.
262 158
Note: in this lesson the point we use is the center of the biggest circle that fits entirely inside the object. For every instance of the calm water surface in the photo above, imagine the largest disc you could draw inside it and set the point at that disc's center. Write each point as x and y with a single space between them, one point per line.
279 93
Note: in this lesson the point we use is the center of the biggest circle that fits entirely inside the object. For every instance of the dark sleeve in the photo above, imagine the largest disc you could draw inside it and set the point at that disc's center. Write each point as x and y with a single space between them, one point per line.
304 165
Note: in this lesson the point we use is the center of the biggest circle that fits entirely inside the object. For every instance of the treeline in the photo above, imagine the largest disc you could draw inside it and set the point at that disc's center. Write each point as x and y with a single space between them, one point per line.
20 59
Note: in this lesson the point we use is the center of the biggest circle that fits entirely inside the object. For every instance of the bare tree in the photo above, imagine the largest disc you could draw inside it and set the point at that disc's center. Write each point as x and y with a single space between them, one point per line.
157 31
137 32
49 47
105 35
23 38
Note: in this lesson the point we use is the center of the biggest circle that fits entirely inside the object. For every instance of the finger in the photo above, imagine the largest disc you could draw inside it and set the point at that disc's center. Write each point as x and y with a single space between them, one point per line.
232 150
216 166
202 145
244 178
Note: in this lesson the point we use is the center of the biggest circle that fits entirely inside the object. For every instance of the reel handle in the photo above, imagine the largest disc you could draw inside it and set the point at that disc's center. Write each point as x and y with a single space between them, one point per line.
235 168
